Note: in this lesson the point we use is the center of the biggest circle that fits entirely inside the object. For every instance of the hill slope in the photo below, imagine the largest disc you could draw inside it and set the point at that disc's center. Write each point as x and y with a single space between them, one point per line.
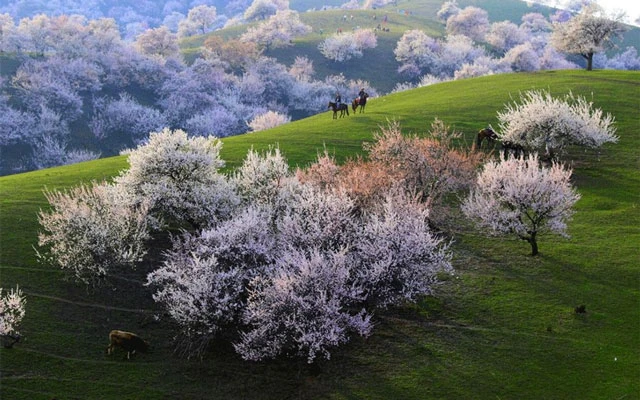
503 328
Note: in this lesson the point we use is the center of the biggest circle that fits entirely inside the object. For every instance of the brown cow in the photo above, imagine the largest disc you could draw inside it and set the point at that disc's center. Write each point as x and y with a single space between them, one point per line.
130 342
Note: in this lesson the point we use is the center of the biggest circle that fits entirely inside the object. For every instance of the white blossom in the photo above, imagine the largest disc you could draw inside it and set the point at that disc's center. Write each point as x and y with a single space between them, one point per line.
303 308
347 45
588 33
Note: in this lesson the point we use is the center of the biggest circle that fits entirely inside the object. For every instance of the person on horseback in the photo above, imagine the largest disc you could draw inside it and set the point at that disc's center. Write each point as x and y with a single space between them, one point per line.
362 95
338 100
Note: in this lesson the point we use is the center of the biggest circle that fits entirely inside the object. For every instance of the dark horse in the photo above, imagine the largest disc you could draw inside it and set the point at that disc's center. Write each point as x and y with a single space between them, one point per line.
486 133
512 148
359 101
342 108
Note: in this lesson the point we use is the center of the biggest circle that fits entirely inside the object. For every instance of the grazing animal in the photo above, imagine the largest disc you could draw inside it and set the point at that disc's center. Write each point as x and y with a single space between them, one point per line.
486 133
342 108
582 309
9 340
512 148
359 101
129 342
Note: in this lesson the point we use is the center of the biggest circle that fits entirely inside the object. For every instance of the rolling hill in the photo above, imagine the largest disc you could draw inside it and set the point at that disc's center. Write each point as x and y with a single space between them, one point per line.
503 327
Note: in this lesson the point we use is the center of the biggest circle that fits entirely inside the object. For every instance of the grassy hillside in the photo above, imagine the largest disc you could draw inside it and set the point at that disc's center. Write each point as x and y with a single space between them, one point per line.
504 327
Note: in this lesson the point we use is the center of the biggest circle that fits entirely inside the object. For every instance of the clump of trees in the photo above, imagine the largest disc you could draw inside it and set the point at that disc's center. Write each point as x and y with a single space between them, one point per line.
295 266
278 30
536 44
283 262
344 46
472 22
114 92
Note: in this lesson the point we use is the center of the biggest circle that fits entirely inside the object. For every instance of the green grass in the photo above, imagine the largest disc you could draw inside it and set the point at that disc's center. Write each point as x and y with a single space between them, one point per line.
502 328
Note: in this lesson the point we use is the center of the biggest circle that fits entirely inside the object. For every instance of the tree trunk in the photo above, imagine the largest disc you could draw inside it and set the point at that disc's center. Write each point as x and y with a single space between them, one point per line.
589 61
534 244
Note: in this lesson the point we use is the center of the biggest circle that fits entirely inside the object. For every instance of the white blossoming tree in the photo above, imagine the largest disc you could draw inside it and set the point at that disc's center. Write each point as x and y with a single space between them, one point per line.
277 31
90 230
268 120
588 33
543 123
199 21
262 177
347 45
179 176
518 196
12 311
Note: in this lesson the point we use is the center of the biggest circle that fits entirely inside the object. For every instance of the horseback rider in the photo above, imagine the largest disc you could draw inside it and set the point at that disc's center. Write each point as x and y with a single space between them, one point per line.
362 96
338 99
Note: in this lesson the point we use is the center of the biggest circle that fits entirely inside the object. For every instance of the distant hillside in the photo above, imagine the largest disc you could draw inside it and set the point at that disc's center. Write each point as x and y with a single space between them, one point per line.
105 101
378 66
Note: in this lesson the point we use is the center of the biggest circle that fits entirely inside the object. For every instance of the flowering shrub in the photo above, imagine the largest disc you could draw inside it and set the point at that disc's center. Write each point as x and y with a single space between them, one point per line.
179 177
268 120
399 256
302 308
276 263
296 268
12 311
92 229
541 122
431 166
202 283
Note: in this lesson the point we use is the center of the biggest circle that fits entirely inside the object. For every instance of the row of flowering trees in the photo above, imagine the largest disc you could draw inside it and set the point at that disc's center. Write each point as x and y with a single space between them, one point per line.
295 264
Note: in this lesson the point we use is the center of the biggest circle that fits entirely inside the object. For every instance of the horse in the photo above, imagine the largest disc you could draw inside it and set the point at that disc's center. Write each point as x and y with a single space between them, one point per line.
486 133
359 101
512 148
342 108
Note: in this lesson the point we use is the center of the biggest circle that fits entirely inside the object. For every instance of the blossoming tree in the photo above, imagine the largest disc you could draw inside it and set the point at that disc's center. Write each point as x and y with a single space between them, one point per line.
517 196
587 33
12 312
543 123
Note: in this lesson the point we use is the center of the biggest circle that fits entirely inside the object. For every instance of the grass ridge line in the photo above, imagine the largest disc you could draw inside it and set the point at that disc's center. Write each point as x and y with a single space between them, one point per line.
83 304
